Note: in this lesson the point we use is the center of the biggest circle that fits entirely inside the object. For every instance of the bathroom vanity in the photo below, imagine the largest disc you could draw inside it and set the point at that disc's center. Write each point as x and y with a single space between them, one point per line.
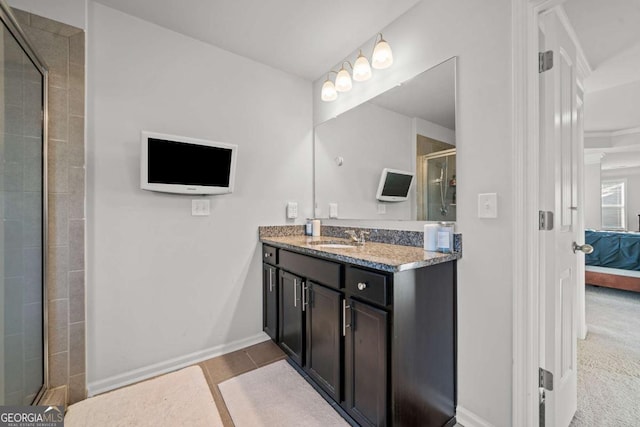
373 326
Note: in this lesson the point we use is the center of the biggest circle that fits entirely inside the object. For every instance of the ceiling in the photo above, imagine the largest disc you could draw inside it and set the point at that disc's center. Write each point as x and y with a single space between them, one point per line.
302 37
605 28
430 96
609 35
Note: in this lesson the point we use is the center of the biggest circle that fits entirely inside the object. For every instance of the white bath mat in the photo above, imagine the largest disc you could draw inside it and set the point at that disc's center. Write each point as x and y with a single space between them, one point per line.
180 398
276 395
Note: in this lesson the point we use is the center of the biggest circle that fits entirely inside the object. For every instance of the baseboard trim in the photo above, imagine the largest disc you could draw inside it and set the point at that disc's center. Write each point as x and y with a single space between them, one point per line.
137 375
469 419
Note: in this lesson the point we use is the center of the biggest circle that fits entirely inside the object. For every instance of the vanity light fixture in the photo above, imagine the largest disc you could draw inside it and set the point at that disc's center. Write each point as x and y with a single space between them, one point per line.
329 92
361 69
381 58
343 79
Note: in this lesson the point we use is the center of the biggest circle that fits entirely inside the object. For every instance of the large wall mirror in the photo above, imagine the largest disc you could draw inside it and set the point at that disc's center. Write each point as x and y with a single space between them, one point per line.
409 128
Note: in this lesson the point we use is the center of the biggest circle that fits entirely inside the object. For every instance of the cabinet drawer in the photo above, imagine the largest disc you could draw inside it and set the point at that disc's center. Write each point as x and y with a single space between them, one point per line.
270 255
368 285
324 272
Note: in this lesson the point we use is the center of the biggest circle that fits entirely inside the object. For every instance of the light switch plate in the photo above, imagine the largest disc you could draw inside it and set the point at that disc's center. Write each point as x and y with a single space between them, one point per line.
201 207
333 210
488 205
292 210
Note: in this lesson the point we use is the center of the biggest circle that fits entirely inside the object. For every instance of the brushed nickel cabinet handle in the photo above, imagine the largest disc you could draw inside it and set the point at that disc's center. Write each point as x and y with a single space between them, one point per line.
304 295
344 317
295 292
362 286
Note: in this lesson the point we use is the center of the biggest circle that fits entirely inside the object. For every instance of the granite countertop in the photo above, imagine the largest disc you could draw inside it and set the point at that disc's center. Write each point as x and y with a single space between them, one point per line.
379 256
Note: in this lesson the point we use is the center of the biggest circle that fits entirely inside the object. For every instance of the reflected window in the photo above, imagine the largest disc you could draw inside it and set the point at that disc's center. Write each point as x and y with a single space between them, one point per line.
613 205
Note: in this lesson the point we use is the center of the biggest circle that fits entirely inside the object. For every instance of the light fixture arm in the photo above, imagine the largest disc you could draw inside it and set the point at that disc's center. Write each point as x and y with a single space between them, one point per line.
375 42
341 67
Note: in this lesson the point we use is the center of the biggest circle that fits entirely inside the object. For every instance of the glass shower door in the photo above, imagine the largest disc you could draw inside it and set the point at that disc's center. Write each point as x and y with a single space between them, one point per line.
439 186
22 241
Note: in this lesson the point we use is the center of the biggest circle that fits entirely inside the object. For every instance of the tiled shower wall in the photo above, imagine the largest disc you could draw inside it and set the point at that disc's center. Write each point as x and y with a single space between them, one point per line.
62 48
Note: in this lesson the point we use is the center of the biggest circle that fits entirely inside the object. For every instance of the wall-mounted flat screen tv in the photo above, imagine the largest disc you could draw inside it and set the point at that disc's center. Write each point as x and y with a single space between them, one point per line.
181 165
394 185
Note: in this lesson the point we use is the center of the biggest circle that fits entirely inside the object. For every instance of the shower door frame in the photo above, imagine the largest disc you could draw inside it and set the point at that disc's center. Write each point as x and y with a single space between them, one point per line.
10 21
424 170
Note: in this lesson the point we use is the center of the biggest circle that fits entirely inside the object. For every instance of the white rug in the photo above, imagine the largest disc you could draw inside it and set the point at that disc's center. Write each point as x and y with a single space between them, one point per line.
276 395
609 361
180 398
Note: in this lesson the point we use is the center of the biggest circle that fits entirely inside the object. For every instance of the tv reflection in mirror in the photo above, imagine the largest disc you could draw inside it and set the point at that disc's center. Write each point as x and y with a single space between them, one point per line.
394 185
410 128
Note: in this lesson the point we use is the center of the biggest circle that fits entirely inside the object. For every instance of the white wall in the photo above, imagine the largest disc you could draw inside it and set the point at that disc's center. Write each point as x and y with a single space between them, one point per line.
612 109
161 283
626 138
479 34
435 131
369 138
632 175
71 12
592 196
597 140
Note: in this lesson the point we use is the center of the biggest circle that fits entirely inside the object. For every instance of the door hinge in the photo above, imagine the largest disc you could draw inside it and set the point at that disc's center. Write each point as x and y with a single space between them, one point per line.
545 220
545 61
545 379
545 383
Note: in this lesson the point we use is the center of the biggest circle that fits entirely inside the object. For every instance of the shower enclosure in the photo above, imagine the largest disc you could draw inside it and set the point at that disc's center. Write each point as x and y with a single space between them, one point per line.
23 202
437 186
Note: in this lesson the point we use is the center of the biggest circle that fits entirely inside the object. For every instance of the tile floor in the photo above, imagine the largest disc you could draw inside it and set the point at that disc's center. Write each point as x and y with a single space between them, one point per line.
220 369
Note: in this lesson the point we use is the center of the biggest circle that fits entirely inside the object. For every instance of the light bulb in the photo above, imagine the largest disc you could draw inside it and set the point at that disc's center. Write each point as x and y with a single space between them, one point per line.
343 81
329 92
361 69
382 57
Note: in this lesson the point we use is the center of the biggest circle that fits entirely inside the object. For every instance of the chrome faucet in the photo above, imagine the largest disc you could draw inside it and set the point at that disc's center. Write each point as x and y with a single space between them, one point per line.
361 239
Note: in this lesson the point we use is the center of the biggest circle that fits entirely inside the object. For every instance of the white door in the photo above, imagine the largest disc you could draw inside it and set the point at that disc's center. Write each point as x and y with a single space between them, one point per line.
559 182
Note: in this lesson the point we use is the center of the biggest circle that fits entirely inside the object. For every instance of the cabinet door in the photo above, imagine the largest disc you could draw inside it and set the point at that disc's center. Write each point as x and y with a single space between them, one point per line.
366 364
324 327
291 320
270 301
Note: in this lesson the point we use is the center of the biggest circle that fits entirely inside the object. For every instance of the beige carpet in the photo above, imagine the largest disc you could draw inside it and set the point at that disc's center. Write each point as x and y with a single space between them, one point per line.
276 395
180 398
609 361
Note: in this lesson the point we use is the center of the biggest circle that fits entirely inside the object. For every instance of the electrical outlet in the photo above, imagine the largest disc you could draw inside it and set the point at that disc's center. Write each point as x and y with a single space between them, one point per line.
201 207
333 210
382 208
292 210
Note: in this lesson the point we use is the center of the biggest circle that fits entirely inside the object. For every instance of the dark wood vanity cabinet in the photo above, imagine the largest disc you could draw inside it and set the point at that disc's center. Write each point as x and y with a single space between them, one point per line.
270 300
380 344
366 364
270 292
324 342
290 316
